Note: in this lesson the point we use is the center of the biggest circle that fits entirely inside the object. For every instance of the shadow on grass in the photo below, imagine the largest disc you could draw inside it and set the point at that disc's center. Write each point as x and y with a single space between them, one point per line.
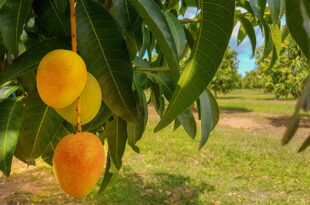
283 121
163 188
233 109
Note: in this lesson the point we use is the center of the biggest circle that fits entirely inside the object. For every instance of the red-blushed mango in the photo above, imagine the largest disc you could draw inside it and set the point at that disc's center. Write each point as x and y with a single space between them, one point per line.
61 77
91 99
78 162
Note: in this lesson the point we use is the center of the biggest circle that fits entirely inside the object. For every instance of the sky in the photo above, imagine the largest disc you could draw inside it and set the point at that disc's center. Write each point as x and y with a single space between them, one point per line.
244 50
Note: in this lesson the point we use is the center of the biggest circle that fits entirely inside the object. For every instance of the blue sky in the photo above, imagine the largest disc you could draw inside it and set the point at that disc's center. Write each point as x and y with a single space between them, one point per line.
244 50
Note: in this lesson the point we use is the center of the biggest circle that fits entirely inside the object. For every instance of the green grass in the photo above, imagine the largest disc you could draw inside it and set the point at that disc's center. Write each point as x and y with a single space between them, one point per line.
256 94
276 107
246 100
233 168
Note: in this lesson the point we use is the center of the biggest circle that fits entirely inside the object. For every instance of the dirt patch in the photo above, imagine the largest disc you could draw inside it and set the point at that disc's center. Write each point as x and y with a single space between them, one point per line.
281 121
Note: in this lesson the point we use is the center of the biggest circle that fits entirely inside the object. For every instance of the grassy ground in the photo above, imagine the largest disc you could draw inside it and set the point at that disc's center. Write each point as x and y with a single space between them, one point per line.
255 101
237 166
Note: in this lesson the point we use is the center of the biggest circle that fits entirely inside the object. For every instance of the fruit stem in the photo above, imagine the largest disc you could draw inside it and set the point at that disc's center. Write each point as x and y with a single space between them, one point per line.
74 48
73 26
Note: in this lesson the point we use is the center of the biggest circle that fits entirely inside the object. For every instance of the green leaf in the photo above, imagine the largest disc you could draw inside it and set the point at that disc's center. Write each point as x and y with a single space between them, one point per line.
102 117
215 110
255 6
275 8
262 7
241 35
209 115
276 38
250 31
104 51
12 18
136 130
154 18
116 133
30 59
10 121
177 32
189 38
188 122
2 2
53 20
61 5
305 144
129 21
126 15
268 41
108 175
64 130
7 90
146 42
211 43
291 129
295 22
39 126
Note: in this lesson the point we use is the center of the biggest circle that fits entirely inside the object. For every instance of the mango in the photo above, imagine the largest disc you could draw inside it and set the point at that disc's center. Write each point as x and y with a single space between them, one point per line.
61 77
91 98
78 162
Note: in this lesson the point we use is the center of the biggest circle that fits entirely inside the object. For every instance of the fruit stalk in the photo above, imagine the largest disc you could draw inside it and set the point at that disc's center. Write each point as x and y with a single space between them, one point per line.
74 48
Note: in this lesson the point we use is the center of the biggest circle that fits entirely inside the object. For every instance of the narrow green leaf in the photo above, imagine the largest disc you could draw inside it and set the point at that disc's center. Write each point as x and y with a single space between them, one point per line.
305 144
291 129
241 35
146 42
102 117
176 124
250 31
108 175
10 122
39 126
126 15
262 7
157 23
295 23
206 118
276 38
268 41
116 133
104 51
255 6
275 8
188 122
177 32
136 130
215 110
7 90
211 43
52 19
30 59
209 115
189 38
64 130
12 18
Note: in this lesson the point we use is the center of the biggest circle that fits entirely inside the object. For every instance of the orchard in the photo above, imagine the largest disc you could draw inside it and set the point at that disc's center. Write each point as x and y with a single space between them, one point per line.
77 77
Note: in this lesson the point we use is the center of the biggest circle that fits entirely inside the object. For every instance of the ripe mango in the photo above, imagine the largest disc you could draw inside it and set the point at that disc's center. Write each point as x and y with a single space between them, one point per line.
91 98
78 162
61 77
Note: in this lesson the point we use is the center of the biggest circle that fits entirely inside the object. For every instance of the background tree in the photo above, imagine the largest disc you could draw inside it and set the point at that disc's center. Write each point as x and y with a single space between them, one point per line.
227 77
288 74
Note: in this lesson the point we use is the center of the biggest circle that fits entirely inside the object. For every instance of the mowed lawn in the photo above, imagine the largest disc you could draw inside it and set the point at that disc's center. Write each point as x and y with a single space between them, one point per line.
235 167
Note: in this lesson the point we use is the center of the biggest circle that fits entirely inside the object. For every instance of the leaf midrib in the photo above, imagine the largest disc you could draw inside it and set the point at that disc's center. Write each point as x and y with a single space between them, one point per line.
39 130
105 58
